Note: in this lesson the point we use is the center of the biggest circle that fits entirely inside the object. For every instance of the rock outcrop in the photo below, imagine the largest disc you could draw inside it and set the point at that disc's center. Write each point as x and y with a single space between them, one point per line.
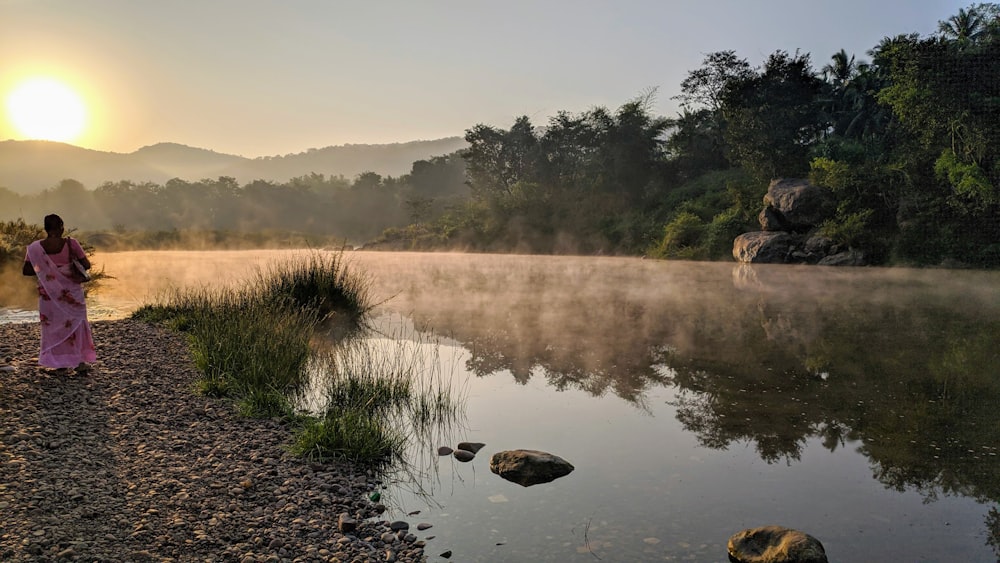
529 467
793 210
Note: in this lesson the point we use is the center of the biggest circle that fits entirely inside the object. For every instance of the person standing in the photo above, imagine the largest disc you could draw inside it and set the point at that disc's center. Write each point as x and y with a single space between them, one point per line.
67 341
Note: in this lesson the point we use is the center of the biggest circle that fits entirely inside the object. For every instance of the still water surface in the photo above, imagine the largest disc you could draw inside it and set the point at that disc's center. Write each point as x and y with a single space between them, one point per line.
694 400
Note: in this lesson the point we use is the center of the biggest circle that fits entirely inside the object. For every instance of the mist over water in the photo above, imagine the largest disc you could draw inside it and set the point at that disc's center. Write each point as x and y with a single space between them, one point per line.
694 399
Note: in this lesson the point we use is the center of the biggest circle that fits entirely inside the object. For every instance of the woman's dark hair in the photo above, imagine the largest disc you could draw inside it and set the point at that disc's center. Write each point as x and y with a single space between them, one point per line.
53 222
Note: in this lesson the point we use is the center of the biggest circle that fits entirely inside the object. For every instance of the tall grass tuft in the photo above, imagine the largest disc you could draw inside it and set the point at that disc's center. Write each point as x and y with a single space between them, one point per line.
246 345
322 282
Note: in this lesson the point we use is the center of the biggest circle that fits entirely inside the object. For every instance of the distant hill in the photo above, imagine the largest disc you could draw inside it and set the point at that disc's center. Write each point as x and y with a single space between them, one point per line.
29 167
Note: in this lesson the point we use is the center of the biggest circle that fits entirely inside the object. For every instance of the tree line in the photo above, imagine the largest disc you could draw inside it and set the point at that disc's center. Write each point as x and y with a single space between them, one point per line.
907 142
314 204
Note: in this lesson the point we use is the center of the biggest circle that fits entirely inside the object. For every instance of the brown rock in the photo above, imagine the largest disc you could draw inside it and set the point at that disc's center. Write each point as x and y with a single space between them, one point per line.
775 544
529 467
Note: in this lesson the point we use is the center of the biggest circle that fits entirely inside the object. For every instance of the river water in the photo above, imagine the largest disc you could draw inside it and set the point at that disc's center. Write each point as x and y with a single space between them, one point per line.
693 399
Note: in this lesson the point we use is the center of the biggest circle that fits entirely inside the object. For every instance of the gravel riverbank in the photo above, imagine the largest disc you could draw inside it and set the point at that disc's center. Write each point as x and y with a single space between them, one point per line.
128 463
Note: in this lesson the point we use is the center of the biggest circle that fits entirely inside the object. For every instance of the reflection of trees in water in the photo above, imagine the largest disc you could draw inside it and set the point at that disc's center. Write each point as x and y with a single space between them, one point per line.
993 530
900 365
914 386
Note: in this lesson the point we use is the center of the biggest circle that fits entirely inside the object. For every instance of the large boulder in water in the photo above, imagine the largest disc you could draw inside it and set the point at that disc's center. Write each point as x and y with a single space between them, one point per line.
529 467
775 544
796 205
764 247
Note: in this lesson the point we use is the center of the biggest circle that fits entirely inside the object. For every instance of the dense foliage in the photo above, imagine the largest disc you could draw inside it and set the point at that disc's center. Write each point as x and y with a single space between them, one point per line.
907 142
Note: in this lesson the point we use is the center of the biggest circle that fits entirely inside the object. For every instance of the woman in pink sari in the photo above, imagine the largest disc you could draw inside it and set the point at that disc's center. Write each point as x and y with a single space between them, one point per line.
66 338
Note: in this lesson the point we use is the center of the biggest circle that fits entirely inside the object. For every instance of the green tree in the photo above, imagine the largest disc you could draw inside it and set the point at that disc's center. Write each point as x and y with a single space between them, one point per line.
967 27
774 116
498 159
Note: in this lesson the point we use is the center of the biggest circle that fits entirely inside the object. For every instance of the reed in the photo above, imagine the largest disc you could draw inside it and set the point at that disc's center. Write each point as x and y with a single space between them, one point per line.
401 397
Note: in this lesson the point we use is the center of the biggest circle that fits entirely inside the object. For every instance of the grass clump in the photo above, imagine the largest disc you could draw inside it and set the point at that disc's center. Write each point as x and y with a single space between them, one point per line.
322 282
260 345
252 342
246 345
377 397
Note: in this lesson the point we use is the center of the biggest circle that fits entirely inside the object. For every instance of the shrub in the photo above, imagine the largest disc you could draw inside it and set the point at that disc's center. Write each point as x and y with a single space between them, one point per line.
681 237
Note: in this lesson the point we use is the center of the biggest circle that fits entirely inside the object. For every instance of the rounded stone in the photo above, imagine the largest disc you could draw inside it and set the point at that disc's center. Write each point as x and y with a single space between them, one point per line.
775 544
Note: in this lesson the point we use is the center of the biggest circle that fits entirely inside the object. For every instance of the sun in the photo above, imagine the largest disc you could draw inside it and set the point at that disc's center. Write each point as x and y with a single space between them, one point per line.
44 108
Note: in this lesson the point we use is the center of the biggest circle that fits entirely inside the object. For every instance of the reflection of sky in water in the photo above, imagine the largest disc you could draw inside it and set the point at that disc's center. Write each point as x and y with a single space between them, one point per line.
668 384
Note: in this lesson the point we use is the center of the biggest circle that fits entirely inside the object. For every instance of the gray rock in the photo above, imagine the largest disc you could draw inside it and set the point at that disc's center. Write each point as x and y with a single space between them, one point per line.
848 258
771 220
819 244
762 247
775 544
529 467
462 455
399 525
445 450
798 204
424 526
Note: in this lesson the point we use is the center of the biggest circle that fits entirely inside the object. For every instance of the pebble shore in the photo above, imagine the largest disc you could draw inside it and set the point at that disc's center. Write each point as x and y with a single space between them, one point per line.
129 463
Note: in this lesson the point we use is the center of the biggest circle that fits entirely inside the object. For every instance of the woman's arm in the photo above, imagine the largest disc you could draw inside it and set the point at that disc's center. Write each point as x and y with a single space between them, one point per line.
77 252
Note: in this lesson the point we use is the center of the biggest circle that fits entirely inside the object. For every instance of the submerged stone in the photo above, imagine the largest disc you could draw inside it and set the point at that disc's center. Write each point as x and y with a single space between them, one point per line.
529 467
462 455
445 450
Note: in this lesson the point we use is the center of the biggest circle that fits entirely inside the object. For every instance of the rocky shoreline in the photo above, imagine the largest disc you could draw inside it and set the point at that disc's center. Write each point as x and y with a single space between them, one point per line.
128 463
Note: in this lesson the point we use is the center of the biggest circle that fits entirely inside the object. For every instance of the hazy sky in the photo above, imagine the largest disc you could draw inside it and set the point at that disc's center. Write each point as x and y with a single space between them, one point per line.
256 78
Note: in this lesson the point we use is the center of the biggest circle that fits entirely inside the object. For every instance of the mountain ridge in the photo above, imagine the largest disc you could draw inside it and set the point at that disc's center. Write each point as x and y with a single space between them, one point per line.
29 167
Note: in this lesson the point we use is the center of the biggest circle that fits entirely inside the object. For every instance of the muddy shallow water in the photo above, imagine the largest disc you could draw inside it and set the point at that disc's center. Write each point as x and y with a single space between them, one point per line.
694 400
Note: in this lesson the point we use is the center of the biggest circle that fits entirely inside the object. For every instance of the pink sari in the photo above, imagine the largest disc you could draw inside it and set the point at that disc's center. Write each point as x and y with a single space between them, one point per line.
62 312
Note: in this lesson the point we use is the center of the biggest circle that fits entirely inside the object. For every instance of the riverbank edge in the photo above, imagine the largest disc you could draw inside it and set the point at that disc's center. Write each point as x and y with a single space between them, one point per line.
128 463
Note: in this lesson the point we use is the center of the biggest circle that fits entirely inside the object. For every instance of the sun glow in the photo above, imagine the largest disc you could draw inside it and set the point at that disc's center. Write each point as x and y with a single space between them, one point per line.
44 108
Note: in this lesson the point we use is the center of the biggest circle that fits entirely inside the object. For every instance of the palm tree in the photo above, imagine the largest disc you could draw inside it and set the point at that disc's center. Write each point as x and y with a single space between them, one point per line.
965 28
840 70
